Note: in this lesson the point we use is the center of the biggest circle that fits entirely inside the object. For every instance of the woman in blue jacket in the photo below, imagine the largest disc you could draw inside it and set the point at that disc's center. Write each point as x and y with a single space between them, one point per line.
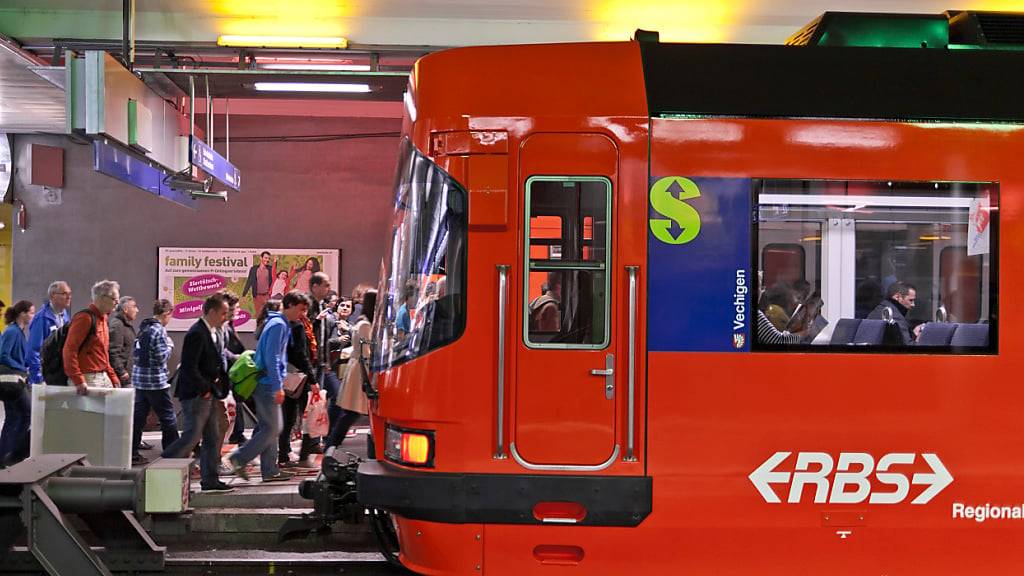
14 353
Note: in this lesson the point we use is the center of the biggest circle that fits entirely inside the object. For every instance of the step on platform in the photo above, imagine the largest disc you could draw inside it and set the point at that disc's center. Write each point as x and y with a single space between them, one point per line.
250 516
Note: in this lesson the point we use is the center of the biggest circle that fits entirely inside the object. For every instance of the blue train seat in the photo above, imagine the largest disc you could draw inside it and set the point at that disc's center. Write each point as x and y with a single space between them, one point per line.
870 332
936 334
845 330
970 335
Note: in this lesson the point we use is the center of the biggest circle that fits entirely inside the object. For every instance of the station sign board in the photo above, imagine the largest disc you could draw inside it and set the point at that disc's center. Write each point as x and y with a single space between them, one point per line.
204 157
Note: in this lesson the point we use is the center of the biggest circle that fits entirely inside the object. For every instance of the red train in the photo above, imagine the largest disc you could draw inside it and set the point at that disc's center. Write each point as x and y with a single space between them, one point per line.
663 308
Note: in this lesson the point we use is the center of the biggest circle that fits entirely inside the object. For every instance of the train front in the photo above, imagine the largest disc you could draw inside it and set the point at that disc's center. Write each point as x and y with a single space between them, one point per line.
453 289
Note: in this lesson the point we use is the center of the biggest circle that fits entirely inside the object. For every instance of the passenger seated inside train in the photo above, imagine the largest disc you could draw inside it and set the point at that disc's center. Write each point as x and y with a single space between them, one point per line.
789 314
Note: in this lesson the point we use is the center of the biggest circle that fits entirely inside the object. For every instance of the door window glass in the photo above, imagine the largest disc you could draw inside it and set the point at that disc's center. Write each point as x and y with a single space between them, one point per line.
568 239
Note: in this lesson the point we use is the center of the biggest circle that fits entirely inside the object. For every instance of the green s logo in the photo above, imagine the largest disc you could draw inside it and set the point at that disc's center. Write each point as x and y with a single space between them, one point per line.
668 198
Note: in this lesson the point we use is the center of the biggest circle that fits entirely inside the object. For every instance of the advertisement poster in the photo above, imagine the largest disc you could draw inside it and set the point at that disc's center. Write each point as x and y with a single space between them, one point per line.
188 275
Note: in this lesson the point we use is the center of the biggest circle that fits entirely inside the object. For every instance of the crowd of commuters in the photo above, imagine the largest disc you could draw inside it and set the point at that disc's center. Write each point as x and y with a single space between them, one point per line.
308 342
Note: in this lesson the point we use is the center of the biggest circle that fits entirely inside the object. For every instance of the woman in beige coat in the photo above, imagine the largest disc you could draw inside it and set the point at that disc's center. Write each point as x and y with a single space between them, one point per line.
352 399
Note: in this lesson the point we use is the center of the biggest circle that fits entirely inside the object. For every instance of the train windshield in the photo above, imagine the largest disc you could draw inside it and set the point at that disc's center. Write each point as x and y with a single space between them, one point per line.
423 278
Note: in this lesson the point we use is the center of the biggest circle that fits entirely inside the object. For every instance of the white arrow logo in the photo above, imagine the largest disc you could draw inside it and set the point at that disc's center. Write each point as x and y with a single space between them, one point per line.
850 480
766 475
936 482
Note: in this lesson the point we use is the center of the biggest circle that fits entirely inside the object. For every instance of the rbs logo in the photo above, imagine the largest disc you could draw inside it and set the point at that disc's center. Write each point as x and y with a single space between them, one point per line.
682 221
854 479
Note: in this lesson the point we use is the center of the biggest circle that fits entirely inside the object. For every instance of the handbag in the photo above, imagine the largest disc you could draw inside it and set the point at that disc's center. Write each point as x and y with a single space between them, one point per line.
12 383
294 384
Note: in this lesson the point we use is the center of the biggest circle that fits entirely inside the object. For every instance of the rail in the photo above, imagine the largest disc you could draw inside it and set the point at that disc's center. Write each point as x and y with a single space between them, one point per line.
631 368
499 454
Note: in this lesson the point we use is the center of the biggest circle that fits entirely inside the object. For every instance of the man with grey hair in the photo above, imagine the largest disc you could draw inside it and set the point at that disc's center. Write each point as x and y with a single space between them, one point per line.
86 350
122 338
50 318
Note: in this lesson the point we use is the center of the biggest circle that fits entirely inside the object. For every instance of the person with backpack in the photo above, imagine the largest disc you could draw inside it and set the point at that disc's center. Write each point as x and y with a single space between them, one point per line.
86 352
149 376
14 353
49 319
271 357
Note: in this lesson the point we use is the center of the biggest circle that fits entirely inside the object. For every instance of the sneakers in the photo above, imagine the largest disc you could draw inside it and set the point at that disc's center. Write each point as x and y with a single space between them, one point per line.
224 470
218 487
238 469
143 445
139 460
281 476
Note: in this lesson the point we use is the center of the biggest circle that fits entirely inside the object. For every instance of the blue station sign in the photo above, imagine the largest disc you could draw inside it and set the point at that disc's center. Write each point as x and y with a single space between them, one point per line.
203 156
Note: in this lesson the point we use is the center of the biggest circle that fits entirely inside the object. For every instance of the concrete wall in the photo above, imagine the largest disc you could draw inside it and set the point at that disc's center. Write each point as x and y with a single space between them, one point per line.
334 194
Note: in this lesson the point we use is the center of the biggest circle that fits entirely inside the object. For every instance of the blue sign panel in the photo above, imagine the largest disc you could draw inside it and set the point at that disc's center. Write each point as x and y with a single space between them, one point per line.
128 168
203 156
699 280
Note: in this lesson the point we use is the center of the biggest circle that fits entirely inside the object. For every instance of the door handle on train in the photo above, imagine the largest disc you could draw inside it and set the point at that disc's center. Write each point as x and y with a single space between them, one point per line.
609 375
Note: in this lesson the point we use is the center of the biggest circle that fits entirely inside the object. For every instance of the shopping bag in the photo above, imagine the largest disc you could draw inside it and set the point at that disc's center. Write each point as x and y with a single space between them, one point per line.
231 411
314 420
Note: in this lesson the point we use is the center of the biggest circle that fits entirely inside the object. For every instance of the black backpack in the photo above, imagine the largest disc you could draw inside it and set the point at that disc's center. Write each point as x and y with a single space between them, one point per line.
51 354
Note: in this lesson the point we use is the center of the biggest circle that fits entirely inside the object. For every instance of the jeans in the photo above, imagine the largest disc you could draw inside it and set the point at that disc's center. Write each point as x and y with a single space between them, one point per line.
264 438
160 402
200 424
332 385
340 428
14 438
292 410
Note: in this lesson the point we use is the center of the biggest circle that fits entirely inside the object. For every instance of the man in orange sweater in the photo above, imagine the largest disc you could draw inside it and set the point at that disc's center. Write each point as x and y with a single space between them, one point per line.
86 350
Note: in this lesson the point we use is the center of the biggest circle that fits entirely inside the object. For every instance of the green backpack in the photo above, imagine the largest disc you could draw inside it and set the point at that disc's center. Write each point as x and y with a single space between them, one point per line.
245 374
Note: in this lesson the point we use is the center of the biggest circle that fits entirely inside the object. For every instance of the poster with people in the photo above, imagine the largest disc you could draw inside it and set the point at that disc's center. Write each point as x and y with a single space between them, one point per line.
188 275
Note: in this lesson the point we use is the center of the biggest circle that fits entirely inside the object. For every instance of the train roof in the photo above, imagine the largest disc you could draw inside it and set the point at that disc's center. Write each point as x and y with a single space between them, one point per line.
662 79
834 82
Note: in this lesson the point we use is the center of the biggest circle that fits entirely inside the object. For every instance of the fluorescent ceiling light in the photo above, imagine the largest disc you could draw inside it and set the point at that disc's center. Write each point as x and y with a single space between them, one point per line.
325 67
310 87
283 41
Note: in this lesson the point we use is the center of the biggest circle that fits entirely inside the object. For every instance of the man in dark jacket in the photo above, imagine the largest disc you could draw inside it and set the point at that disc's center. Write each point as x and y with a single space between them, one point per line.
900 300
122 338
202 381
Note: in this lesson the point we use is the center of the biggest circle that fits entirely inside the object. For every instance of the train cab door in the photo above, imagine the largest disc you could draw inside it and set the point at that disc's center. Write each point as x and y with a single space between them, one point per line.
567 369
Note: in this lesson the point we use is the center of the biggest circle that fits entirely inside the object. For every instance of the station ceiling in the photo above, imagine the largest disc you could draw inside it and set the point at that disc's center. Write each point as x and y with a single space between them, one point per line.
451 22
387 35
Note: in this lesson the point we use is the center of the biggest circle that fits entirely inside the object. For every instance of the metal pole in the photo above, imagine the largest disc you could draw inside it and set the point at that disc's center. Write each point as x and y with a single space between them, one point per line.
131 37
209 113
191 105
227 130
126 14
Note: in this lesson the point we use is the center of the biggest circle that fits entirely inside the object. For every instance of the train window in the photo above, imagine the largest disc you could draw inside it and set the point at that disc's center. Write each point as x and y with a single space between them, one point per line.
877 266
423 306
566 284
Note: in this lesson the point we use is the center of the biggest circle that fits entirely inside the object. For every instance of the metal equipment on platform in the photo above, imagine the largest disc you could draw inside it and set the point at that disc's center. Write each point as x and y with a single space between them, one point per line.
333 493
60 516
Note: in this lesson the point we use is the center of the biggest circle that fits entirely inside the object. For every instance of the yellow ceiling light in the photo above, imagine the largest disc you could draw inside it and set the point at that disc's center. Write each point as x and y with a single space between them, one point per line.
284 17
243 41
675 20
995 5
